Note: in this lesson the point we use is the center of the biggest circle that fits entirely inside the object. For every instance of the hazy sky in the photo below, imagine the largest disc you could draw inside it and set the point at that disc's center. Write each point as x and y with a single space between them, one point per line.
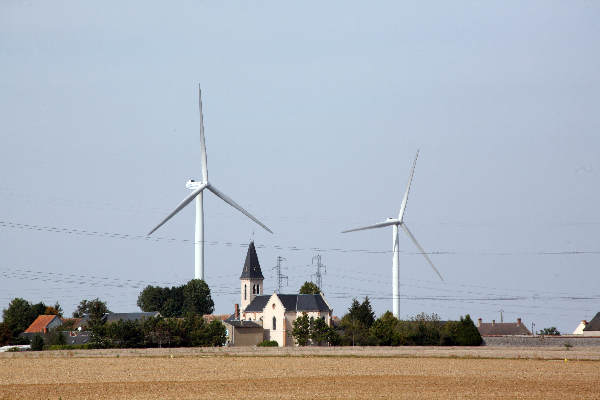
313 113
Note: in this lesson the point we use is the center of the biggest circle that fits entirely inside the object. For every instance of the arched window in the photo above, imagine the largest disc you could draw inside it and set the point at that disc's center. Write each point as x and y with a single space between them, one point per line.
253 289
274 323
244 292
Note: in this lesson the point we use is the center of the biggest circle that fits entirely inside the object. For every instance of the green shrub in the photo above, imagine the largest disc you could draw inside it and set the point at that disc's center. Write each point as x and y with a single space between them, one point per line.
460 333
37 343
268 343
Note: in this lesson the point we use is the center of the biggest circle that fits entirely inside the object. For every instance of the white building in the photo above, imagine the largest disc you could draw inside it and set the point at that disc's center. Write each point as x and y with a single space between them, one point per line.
274 313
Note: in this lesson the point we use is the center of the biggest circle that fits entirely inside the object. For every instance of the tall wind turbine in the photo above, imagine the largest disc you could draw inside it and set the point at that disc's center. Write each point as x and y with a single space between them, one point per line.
197 188
395 223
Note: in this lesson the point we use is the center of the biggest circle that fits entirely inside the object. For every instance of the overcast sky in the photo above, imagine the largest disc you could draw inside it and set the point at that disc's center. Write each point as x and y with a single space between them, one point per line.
313 114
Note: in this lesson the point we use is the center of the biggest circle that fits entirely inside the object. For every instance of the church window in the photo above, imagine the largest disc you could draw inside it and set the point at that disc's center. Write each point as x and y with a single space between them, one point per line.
244 292
274 324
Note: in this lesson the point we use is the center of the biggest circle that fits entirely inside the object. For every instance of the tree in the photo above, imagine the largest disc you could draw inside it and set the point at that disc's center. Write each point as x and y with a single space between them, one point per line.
152 298
37 343
301 330
309 288
125 334
5 334
176 301
87 307
385 331
552 331
319 331
54 310
460 333
362 312
196 298
17 317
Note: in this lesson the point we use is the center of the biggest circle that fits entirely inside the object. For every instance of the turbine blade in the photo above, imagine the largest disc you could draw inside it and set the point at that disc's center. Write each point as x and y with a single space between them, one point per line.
378 225
405 198
181 205
235 205
411 236
202 142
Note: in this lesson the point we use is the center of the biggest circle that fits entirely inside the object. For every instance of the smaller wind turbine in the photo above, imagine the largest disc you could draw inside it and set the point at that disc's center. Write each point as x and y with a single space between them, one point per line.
197 188
395 223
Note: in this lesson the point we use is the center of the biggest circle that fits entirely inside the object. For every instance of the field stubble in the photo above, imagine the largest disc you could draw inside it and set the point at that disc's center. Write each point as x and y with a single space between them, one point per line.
195 374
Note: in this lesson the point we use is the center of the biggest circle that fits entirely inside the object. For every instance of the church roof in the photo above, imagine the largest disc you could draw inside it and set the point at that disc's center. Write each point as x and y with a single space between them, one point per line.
251 265
303 302
257 304
291 302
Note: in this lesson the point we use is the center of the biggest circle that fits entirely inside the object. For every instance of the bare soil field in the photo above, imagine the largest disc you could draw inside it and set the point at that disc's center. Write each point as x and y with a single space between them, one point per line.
250 373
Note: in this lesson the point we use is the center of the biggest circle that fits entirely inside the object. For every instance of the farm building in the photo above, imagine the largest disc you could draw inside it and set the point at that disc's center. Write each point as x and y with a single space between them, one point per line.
502 328
269 317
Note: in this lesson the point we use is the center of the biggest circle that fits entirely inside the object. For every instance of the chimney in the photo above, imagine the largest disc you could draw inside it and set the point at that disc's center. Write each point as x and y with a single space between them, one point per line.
236 314
518 321
479 321
493 322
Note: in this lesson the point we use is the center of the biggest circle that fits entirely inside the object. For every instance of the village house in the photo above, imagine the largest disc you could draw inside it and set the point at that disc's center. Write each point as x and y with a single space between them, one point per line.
269 317
502 328
43 324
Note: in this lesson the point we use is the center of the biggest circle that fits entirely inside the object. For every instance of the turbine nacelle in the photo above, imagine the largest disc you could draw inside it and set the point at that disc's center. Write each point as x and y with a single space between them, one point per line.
193 185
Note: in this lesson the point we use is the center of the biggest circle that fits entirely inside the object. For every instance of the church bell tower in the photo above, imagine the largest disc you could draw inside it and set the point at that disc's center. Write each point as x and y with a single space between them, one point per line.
251 279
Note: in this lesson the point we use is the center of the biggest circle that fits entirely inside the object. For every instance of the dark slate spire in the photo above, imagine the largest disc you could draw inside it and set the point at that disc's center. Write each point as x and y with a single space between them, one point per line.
251 266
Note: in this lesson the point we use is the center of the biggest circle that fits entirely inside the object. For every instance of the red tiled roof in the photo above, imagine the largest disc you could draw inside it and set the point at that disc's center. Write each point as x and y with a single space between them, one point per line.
40 323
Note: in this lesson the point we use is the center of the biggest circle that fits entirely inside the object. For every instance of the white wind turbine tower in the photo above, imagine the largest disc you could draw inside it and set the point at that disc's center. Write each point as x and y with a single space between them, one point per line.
395 223
197 189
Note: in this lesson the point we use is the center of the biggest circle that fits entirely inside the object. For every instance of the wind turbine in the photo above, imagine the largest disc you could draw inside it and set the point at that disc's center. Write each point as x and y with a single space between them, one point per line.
395 223
197 188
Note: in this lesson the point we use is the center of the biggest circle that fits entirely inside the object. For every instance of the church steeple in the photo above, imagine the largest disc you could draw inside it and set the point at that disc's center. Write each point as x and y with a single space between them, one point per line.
252 278
251 265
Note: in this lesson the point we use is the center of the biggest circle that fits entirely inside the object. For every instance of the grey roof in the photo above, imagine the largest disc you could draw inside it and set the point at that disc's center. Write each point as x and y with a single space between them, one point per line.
594 324
257 304
502 328
303 302
241 323
251 265
134 316
114 317
291 302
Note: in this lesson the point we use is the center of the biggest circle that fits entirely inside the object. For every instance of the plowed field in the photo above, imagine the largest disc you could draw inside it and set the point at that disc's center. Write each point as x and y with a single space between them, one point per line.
219 376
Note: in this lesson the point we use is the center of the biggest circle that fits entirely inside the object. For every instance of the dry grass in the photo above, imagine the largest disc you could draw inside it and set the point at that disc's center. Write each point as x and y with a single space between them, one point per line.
192 374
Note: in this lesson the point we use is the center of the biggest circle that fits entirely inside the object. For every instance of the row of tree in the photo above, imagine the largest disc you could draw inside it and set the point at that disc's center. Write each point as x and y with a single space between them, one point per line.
177 301
360 327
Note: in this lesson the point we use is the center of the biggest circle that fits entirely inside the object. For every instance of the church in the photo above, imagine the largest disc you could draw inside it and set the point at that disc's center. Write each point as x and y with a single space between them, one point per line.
269 317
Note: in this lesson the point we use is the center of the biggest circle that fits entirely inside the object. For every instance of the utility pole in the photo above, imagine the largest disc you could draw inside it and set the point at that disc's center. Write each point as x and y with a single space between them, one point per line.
501 316
318 275
280 276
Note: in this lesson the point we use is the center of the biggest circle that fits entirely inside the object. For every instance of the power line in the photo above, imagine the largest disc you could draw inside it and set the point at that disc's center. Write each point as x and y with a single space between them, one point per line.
128 236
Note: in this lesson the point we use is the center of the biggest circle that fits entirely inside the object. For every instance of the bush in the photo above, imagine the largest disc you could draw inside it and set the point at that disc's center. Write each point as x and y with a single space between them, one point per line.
268 343
460 333
37 343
